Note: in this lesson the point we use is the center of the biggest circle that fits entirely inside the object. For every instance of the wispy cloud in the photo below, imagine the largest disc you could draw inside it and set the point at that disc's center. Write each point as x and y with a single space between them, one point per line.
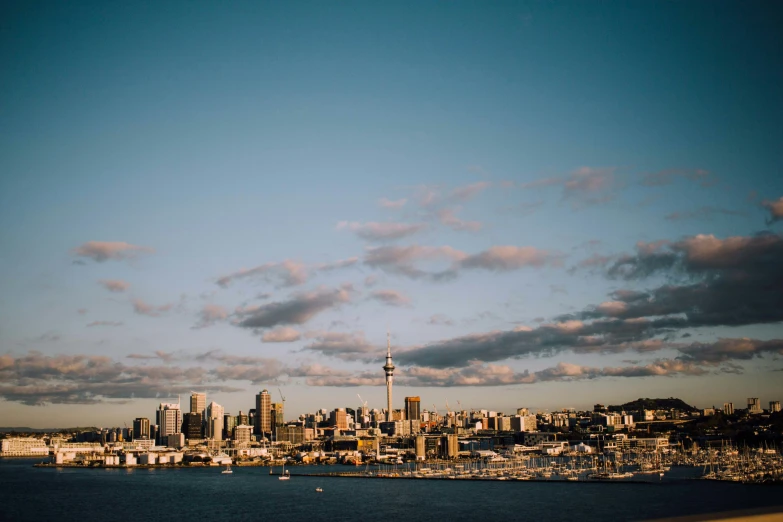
114 285
448 217
397 203
705 212
283 334
210 314
299 309
105 323
390 297
100 251
668 176
285 273
775 209
385 231
142 308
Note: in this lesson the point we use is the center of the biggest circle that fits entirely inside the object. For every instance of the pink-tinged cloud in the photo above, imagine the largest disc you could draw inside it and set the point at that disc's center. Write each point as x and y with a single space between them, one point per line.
210 314
466 192
104 323
404 260
337 265
448 218
386 231
775 209
390 297
668 176
114 285
100 251
588 185
506 258
142 308
283 334
612 308
398 203
285 273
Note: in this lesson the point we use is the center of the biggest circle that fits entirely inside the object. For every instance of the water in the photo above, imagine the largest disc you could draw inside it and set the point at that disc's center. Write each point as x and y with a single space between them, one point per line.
70 494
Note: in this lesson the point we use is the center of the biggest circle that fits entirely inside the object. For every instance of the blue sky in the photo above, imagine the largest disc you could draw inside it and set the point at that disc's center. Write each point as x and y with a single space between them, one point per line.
479 178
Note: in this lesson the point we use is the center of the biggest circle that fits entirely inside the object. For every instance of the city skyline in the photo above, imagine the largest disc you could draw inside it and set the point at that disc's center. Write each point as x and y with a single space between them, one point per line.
547 206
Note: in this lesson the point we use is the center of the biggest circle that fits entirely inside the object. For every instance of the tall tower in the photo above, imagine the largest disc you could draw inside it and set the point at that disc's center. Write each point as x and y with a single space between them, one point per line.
389 369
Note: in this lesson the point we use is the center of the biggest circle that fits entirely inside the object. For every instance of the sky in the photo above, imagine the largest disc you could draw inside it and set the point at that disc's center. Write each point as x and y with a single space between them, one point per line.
545 204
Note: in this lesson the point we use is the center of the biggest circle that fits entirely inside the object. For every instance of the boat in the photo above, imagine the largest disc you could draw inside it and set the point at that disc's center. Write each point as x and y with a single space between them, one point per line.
227 470
319 490
285 475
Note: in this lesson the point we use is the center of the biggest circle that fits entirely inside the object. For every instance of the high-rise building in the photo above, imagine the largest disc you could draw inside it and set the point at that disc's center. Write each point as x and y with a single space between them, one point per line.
198 403
728 408
754 405
388 368
192 424
242 419
339 419
215 421
276 415
242 434
264 412
774 406
412 408
229 421
141 428
169 420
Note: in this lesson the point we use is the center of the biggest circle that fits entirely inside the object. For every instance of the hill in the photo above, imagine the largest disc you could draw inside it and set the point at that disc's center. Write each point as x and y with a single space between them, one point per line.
655 404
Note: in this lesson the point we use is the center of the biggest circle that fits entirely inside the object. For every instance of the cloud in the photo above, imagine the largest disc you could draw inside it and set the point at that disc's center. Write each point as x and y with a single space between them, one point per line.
36 379
337 265
448 218
775 209
210 314
142 308
346 346
100 251
703 213
386 203
370 281
387 231
81 311
668 176
729 350
390 297
467 192
283 334
506 258
583 186
105 323
114 285
440 319
166 357
299 309
285 273
402 260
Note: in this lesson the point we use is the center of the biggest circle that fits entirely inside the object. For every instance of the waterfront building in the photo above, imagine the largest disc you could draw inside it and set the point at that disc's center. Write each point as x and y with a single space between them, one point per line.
774 406
728 408
215 414
23 447
141 428
412 408
169 419
754 405
176 440
388 368
242 434
263 413
192 426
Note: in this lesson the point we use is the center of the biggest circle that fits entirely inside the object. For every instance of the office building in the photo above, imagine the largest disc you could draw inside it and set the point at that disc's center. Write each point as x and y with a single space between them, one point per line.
728 408
169 420
192 424
263 413
276 416
774 406
242 434
215 421
339 419
198 403
413 408
229 421
141 428
754 405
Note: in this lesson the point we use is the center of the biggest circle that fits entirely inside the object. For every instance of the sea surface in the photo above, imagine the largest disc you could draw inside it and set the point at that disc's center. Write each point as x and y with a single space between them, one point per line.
250 493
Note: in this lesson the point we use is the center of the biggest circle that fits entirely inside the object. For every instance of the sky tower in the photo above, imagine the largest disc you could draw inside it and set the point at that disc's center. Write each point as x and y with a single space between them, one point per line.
389 369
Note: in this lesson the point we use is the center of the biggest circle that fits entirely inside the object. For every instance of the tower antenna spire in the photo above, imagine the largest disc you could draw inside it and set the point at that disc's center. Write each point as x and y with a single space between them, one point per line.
388 368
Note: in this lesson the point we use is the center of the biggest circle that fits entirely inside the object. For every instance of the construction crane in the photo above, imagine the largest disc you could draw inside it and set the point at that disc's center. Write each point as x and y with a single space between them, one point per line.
281 396
364 412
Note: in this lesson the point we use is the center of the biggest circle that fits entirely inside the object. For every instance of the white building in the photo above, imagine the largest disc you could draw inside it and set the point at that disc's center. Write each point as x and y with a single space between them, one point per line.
215 414
169 418
23 447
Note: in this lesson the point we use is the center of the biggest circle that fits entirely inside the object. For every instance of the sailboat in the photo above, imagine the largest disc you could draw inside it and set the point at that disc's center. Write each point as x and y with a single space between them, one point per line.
285 475
227 470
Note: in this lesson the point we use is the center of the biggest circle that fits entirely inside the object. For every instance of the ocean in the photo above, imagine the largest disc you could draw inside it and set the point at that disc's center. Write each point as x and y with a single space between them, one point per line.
250 493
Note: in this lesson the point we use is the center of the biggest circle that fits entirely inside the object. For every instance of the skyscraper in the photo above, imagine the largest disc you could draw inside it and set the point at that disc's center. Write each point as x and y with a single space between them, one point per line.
215 414
276 416
169 420
389 369
263 412
754 405
141 428
198 403
412 408
774 406
192 426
